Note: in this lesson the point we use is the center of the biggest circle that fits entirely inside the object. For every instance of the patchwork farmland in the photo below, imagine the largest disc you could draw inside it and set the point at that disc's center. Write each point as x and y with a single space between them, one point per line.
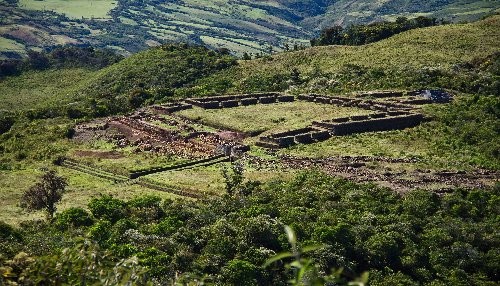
181 147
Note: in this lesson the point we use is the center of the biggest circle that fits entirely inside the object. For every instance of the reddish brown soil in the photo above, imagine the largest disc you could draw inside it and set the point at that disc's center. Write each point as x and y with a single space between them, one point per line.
231 136
137 130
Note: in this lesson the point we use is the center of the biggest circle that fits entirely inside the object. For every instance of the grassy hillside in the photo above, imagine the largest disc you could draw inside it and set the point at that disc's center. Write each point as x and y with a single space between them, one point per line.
461 57
434 56
242 25
434 46
39 89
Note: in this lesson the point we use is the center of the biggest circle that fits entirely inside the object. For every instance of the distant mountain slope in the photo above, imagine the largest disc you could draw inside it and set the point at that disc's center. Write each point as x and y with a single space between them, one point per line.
238 25
345 12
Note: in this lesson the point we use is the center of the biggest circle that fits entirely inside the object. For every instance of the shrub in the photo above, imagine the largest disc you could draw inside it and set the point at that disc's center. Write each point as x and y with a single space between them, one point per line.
240 272
8 232
146 208
45 194
73 217
108 208
100 232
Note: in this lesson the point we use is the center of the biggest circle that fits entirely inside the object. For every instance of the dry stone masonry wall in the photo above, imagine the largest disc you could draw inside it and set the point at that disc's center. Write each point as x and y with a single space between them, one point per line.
230 101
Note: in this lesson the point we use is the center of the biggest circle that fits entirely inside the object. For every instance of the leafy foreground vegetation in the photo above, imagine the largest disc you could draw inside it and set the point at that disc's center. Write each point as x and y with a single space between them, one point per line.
420 238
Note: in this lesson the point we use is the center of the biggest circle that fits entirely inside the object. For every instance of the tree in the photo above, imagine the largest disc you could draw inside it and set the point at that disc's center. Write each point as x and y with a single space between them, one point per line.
45 194
37 60
246 56
233 178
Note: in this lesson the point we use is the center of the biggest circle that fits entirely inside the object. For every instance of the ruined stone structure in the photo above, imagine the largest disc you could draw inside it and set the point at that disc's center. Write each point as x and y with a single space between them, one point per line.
229 101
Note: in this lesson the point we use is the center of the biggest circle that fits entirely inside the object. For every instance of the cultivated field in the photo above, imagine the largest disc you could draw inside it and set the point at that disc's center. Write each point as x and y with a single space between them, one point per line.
97 9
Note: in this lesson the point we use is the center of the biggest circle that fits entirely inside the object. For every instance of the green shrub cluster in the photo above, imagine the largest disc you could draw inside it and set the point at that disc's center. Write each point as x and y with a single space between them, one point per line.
60 57
361 34
420 238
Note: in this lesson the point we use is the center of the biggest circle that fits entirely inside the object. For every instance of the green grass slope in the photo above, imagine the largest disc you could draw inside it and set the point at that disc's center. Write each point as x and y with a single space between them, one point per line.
435 56
461 57
151 76
39 89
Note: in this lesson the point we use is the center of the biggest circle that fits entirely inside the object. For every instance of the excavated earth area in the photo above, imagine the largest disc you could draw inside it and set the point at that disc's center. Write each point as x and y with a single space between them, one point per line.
396 174
138 131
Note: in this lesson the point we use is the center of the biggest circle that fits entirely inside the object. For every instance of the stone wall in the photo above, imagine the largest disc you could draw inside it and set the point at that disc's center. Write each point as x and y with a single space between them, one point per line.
170 108
376 124
229 101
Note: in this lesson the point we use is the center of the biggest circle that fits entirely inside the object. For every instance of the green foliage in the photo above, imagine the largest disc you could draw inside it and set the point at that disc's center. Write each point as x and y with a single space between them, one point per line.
147 208
36 140
77 266
100 232
471 124
6 122
7 231
419 237
138 97
240 272
355 35
45 194
10 241
167 226
108 208
73 217
233 178
151 72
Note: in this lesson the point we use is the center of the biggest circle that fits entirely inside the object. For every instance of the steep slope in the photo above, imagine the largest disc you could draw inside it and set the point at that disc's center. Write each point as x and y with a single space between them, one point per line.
240 26
412 57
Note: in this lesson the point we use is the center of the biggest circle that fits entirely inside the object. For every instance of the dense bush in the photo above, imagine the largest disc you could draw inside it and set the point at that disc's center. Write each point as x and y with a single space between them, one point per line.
418 238
6 122
73 217
364 34
108 208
